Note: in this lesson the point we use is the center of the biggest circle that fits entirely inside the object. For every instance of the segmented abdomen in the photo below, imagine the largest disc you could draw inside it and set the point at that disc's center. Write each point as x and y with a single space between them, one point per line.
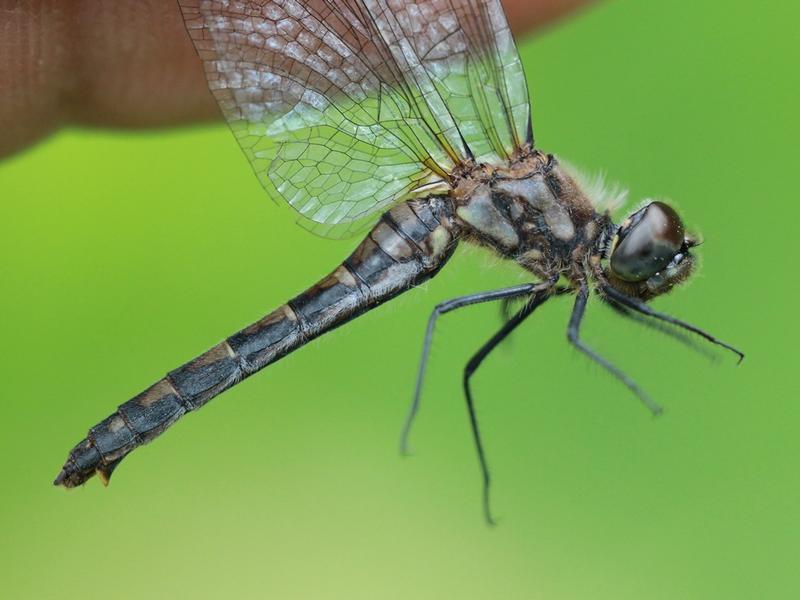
409 244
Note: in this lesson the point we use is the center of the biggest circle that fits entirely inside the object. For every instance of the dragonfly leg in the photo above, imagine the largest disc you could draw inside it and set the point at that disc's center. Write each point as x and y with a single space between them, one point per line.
445 307
641 307
573 334
538 298
507 304
506 309
674 333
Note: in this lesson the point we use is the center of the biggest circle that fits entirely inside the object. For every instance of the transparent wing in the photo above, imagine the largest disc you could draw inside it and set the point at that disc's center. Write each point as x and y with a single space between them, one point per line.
346 106
469 56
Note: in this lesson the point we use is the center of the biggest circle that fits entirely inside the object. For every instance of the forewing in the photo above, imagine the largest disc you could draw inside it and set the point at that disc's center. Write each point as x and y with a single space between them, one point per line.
469 55
343 107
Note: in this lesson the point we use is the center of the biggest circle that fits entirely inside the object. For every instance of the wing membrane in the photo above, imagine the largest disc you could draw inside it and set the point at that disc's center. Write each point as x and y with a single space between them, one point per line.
346 106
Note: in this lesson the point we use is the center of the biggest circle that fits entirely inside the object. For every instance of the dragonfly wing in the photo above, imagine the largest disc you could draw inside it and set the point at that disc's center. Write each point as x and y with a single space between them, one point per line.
469 55
343 107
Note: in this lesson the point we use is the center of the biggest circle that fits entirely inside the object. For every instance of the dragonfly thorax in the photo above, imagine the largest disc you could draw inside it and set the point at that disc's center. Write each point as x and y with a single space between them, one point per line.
533 212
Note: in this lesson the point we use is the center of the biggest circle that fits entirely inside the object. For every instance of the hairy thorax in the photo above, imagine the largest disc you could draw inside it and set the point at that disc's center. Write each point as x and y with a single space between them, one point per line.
531 211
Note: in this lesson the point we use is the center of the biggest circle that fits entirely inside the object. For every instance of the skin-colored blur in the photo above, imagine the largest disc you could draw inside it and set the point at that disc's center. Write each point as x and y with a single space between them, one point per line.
126 63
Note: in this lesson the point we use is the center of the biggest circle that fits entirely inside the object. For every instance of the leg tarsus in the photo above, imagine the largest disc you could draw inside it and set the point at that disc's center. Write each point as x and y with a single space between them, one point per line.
573 335
665 328
644 309
539 297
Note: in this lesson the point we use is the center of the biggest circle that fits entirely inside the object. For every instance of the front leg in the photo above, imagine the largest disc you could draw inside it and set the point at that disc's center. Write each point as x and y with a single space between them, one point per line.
642 308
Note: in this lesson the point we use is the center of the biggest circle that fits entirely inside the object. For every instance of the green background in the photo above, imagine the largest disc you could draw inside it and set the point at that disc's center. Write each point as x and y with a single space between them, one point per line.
124 254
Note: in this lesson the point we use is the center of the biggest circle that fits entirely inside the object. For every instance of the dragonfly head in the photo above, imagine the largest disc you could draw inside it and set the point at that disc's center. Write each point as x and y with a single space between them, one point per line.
650 252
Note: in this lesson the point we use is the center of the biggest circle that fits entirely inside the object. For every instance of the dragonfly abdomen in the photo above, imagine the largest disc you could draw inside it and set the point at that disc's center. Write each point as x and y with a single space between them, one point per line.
409 244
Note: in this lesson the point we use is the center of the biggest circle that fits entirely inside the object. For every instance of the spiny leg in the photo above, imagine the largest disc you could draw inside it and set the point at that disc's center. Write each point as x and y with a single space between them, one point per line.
536 300
445 307
506 309
573 334
672 332
507 304
642 308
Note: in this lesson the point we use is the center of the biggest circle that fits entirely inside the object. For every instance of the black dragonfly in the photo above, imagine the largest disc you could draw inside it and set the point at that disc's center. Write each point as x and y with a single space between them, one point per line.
411 120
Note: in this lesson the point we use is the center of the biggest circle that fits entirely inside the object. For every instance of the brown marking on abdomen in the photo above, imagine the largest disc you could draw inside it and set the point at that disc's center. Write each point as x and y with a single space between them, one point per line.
399 253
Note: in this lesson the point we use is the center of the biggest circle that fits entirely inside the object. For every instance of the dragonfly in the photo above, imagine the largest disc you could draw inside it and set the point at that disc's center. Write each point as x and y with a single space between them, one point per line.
409 121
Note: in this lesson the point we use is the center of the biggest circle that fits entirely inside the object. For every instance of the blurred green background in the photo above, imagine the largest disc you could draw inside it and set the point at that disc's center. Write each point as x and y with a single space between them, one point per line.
123 255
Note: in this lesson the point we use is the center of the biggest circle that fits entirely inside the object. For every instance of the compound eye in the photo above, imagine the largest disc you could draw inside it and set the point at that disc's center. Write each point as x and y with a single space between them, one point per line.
653 237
